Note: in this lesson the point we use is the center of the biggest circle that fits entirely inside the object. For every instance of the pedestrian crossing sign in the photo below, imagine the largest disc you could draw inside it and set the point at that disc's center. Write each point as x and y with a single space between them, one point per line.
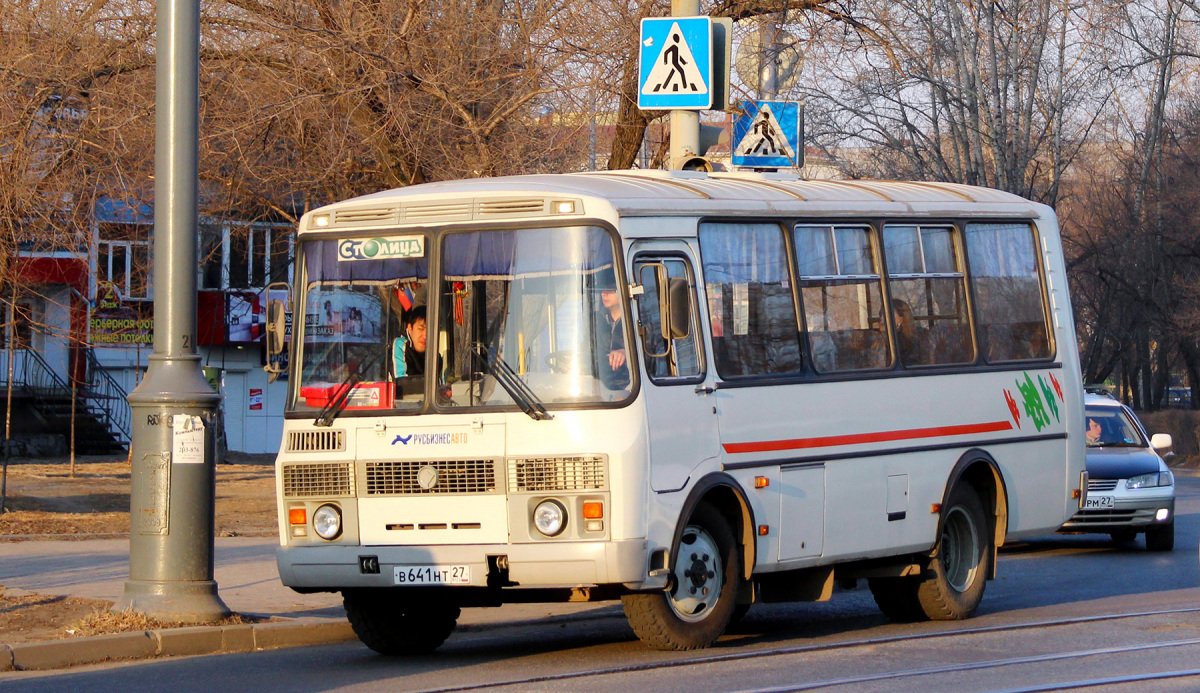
676 63
767 135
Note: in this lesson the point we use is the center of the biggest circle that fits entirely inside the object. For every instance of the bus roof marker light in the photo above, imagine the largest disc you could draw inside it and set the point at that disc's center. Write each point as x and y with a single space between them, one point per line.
563 206
321 220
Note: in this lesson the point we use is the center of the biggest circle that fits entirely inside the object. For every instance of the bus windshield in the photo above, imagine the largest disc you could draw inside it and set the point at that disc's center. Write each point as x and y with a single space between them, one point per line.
524 316
363 300
542 303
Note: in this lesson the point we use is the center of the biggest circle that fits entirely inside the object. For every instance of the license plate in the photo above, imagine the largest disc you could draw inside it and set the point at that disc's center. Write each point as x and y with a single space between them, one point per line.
1099 502
432 574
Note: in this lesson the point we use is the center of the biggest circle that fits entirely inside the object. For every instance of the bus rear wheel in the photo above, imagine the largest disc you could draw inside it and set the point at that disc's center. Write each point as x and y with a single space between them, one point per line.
953 585
395 626
699 604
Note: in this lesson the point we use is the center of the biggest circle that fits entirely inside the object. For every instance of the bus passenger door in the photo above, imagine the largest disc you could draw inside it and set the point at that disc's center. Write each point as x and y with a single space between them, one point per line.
679 412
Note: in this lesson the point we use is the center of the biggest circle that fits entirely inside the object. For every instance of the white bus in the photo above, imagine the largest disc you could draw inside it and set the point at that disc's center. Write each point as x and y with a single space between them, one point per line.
687 391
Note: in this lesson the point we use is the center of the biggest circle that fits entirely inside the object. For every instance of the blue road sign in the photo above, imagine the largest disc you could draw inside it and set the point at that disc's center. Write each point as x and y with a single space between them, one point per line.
767 135
676 64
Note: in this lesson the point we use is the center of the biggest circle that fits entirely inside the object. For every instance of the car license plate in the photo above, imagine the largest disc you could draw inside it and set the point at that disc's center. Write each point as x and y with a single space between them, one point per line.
1099 502
432 574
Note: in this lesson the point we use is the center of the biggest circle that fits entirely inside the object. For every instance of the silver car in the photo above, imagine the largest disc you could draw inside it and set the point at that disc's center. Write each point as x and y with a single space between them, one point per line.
1130 489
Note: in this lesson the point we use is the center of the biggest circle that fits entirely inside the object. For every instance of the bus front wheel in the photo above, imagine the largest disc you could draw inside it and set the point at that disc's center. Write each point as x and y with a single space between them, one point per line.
697 607
395 626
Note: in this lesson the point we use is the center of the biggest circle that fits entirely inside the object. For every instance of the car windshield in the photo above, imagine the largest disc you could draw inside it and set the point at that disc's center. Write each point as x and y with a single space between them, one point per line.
1111 427
541 305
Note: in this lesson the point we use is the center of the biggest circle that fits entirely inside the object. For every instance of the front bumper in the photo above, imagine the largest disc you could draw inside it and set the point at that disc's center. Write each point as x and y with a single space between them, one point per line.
1128 514
551 564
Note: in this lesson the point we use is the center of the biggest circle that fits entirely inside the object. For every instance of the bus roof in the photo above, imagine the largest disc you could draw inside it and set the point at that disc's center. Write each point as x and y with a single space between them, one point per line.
669 193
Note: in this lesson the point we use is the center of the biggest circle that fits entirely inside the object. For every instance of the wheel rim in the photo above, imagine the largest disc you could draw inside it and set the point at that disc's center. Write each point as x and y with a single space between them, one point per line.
960 548
698 575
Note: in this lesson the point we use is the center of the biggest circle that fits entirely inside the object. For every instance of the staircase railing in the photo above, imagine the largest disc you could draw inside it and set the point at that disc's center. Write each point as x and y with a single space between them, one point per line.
105 398
99 394
32 375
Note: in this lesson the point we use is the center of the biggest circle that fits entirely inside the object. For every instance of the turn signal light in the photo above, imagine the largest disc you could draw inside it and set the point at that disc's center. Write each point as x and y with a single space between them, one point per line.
761 482
764 530
297 516
593 510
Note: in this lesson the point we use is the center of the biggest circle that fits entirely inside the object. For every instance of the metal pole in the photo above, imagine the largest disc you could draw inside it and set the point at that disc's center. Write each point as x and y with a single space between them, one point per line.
171 447
685 125
771 47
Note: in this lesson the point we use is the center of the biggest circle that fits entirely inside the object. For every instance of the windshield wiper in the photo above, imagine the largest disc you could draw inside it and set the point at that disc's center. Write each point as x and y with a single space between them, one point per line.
335 406
525 398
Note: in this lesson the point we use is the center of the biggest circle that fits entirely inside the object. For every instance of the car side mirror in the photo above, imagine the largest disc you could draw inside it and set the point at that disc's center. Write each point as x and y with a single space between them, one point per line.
1161 441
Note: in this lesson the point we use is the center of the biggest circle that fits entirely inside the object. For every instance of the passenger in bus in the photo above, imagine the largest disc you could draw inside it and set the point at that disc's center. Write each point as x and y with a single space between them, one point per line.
610 337
908 343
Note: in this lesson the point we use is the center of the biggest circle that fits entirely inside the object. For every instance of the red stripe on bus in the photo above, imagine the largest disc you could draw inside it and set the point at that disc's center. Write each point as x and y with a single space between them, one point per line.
860 438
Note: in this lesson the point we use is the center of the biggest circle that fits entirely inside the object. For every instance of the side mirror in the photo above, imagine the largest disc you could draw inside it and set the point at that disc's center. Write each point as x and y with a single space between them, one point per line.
679 309
1161 441
275 327
276 331
674 302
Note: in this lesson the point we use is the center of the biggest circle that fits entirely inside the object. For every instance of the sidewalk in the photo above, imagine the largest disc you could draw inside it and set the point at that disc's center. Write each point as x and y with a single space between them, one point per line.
248 583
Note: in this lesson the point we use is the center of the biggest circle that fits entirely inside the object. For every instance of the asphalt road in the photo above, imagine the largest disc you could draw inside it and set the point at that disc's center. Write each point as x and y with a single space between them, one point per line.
1045 621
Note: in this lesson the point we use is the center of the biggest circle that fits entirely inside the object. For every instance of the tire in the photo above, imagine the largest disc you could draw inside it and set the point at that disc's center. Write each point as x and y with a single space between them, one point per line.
952 586
396 626
1161 537
897 598
698 607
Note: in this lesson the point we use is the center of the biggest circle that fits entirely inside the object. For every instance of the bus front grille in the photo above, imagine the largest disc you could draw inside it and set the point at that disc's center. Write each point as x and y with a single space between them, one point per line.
316 441
420 477
581 473
318 480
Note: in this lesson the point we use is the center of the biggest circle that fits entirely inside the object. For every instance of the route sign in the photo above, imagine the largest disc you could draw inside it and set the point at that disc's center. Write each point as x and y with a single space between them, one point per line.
676 64
768 135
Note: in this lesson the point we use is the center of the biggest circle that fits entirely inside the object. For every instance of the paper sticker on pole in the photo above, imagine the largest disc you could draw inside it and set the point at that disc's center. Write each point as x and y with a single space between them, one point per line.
767 135
676 64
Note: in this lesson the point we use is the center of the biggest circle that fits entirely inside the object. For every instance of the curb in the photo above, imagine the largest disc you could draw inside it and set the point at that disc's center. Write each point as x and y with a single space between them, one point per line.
195 640
203 640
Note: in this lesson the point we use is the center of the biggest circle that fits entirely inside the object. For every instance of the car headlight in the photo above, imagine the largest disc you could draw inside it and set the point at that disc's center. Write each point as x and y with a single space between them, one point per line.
1150 480
550 517
327 522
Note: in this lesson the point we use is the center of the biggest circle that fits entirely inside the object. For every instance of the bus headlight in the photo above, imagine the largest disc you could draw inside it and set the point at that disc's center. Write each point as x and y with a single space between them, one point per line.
550 517
327 522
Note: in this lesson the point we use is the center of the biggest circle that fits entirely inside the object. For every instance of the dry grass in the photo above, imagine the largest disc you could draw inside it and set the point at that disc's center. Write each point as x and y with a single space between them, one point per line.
104 622
45 502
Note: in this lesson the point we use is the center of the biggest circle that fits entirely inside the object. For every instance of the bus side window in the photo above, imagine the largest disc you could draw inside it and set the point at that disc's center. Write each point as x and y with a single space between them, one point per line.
1010 304
750 305
842 295
929 307
678 358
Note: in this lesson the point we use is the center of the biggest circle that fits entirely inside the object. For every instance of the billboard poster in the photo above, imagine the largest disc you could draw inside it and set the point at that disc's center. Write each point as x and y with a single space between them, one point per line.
243 317
349 316
115 322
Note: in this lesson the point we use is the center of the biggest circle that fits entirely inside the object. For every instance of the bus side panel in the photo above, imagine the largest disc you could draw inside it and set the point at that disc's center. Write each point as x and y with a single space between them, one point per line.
888 447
